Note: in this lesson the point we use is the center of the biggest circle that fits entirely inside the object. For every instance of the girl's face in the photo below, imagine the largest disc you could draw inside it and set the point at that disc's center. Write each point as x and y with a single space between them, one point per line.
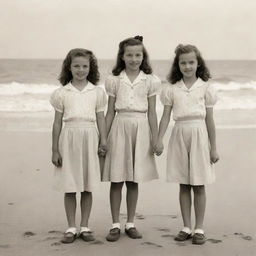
80 68
133 57
188 65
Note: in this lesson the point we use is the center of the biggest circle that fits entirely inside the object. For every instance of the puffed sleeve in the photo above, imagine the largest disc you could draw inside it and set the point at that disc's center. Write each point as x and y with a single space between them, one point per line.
154 85
111 85
56 100
166 95
210 96
101 100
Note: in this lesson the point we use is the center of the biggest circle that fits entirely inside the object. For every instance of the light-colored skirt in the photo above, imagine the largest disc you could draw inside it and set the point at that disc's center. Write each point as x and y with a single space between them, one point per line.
130 156
80 169
188 157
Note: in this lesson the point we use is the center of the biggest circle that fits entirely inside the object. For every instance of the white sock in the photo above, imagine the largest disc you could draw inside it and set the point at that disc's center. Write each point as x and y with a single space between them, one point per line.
199 231
84 229
129 225
187 230
116 225
71 230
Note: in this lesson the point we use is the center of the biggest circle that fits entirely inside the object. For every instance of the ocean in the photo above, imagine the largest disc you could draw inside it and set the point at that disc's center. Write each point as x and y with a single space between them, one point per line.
26 84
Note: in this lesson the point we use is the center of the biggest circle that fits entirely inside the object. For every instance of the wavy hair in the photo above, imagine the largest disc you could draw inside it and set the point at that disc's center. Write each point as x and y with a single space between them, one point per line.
175 74
120 64
66 76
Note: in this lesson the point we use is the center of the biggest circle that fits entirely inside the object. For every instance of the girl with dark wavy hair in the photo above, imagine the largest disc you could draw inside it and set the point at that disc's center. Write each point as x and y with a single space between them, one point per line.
66 75
132 130
176 75
79 104
192 149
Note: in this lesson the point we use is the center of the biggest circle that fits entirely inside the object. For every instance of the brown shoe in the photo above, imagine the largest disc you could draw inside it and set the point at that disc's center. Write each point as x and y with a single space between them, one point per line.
182 236
198 238
133 233
87 236
113 235
68 238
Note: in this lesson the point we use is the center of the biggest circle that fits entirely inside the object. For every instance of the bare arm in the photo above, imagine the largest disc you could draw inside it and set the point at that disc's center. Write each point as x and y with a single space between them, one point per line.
110 113
211 134
101 123
56 129
165 119
152 118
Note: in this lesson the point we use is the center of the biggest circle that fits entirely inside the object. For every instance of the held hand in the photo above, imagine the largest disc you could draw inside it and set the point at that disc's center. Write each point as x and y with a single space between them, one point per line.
56 159
102 150
159 148
214 157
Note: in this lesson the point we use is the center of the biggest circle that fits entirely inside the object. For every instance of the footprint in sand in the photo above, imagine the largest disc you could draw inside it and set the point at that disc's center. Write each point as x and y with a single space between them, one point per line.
168 235
248 238
55 232
97 242
163 229
56 244
28 234
149 243
50 238
181 243
5 246
140 217
214 241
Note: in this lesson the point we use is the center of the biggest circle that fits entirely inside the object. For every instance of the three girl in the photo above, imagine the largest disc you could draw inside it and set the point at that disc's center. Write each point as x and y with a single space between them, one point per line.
192 146
133 138
132 131
79 104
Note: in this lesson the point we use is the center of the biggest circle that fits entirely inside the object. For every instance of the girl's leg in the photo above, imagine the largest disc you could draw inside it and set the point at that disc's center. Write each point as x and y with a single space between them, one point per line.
115 200
199 205
131 200
185 204
70 208
86 206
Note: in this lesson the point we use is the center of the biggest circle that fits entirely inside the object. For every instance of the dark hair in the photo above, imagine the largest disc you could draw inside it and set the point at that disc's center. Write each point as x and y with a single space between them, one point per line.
132 41
66 76
175 74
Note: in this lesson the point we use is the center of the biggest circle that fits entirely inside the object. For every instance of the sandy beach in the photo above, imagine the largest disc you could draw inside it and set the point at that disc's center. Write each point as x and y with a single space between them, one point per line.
32 216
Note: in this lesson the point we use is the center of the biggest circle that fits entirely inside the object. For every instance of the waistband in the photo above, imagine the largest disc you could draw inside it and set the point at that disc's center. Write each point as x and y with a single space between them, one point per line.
190 122
78 124
131 114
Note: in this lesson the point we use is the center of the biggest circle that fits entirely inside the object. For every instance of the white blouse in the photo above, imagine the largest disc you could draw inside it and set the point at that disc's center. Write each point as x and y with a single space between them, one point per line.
190 102
132 96
79 105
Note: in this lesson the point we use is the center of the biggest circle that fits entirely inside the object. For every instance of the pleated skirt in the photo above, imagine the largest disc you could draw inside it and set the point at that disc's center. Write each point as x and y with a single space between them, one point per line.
188 156
80 169
130 156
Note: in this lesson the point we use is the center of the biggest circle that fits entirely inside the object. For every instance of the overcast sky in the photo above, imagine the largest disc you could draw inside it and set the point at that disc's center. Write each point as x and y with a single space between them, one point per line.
222 29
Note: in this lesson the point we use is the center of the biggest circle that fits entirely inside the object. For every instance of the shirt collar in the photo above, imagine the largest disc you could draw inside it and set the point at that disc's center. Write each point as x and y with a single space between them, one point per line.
198 83
88 87
124 77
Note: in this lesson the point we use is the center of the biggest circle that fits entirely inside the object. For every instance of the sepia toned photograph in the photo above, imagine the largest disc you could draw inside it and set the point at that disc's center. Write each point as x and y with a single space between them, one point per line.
127 127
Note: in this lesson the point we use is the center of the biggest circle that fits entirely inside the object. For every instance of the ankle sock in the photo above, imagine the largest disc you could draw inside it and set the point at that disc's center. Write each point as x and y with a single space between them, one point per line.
116 225
199 231
187 230
84 229
129 225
